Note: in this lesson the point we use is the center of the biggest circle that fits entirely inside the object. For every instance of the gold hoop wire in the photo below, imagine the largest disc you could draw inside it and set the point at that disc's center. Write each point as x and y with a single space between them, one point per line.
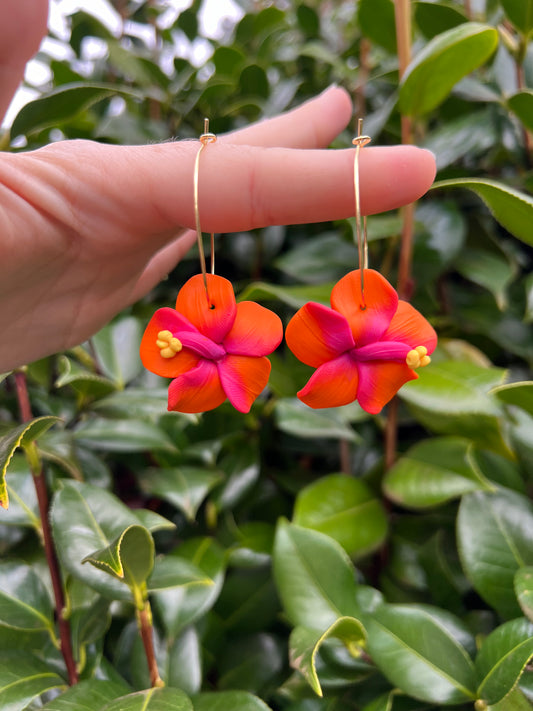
204 139
360 221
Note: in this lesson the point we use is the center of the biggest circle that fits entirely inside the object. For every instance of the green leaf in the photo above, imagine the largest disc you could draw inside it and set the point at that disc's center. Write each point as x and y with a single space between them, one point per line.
126 435
305 643
520 12
494 533
523 585
344 509
420 655
83 381
181 606
85 519
24 601
502 658
521 104
116 348
88 695
377 22
323 258
294 296
453 397
295 418
434 18
511 208
63 104
20 436
23 677
184 487
166 699
445 60
228 701
171 571
433 472
130 557
516 394
314 577
23 506
490 271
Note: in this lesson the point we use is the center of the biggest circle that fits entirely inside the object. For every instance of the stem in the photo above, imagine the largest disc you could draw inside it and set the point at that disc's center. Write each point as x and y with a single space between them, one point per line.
144 620
51 557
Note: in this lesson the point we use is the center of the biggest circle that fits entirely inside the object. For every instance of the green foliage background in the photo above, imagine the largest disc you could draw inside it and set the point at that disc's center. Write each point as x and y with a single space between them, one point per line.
290 571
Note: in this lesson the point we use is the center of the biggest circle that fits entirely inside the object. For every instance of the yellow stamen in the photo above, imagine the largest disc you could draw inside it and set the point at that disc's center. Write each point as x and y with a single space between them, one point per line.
168 344
417 358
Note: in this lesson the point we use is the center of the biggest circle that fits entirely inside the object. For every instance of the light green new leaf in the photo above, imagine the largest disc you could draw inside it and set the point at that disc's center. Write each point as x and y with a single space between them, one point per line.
502 658
88 695
494 533
445 60
345 509
523 585
305 643
520 12
130 557
453 397
63 104
23 677
85 519
184 487
24 601
517 394
433 472
420 653
521 104
228 701
20 436
314 576
511 208
165 699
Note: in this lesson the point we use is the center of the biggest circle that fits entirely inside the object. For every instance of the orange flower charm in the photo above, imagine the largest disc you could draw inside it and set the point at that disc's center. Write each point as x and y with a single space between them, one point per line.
360 353
212 349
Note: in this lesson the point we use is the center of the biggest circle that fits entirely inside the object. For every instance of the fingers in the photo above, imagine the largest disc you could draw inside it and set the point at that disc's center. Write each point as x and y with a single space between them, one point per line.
163 262
312 125
22 27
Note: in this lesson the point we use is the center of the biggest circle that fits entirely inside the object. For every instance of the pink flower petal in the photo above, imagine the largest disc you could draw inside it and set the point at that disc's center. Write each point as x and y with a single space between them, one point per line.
382 350
256 331
379 382
317 334
243 379
409 326
333 384
198 390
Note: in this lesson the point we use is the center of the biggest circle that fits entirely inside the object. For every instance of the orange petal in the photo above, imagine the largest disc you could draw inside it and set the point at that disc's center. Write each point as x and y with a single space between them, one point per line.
198 390
370 323
243 379
256 331
212 318
333 384
379 382
409 326
163 320
317 334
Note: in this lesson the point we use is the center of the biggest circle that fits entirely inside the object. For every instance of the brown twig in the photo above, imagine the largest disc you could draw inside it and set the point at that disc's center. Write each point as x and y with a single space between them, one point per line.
144 617
51 557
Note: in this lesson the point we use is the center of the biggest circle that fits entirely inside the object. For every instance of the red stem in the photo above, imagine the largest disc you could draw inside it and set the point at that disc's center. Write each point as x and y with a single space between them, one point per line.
147 636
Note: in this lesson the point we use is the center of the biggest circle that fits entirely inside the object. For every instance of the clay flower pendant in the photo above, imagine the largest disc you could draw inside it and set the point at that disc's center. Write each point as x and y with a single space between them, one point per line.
363 354
213 349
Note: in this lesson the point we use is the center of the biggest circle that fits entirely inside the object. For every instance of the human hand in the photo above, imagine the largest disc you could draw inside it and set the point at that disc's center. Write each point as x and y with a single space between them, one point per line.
87 229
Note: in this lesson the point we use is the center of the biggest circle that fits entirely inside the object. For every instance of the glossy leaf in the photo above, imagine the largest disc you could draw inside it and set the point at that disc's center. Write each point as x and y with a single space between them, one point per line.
85 382
184 487
502 658
520 12
24 677
123 436
63 104
23 506
129 558
433 472
173 571
517 394
20 436
344 509
228 701
295 418
512 209
116 348
521 103
305 643
24 601
490 271
166 699
314 577
376 20
419 655
442 63
523 585
494 533
89 695
294 296
435 18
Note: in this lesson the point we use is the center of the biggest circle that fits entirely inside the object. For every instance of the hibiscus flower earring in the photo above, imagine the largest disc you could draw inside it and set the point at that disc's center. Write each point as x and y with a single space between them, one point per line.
369 343
213 348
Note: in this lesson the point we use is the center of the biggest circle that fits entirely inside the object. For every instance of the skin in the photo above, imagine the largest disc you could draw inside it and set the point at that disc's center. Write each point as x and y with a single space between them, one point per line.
87 229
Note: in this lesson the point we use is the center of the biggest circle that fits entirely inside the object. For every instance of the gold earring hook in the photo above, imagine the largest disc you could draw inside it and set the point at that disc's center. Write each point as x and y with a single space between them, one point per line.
204 139
362 242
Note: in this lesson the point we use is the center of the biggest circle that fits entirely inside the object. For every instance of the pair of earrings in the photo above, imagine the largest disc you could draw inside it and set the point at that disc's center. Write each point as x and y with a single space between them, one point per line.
364 348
